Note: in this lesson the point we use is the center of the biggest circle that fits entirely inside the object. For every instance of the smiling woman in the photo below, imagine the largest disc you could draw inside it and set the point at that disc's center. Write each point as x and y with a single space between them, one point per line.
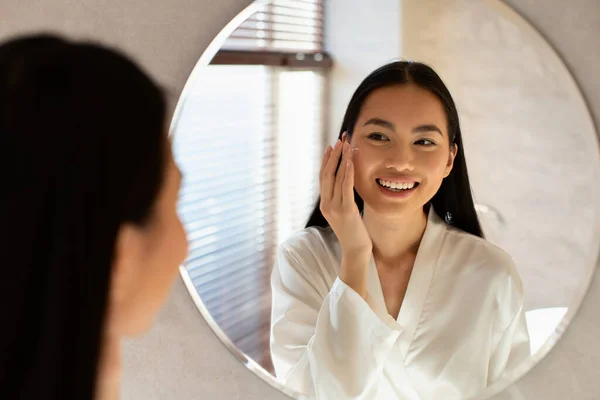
378 296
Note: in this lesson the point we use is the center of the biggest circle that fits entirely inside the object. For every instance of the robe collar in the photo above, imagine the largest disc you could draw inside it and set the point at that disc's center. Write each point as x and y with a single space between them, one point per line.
418 285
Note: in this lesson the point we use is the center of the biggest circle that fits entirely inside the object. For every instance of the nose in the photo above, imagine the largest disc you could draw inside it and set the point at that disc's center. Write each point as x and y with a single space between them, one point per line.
400 157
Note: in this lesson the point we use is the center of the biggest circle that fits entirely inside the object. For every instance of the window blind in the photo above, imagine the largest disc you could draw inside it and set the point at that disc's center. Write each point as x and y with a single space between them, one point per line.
282 25
248 140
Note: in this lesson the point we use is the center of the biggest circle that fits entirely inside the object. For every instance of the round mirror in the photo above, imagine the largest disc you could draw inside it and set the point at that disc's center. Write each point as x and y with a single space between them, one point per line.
449 315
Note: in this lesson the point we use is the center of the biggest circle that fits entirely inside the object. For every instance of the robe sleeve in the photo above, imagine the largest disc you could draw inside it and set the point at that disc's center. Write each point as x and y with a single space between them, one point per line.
512 344
325 348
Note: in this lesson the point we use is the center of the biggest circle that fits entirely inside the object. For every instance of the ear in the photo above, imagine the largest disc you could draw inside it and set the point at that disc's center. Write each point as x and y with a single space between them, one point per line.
124 273
451 156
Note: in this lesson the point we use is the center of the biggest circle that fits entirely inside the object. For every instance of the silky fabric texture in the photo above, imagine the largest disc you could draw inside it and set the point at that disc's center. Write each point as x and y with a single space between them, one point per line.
460 327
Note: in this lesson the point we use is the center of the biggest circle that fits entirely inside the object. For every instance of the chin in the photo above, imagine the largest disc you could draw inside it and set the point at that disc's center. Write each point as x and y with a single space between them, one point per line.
394 207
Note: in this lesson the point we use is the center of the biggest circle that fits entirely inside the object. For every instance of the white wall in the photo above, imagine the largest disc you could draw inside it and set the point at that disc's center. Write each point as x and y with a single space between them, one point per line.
360 38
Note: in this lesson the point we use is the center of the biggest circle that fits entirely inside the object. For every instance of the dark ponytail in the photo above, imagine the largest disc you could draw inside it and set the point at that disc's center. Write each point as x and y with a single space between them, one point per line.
82 132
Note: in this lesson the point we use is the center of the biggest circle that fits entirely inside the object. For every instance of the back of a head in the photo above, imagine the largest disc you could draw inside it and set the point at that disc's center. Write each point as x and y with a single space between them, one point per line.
83 137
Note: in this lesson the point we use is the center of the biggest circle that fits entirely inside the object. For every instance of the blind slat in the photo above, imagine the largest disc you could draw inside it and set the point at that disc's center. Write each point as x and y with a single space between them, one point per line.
262 33
280 19
285 9
302 25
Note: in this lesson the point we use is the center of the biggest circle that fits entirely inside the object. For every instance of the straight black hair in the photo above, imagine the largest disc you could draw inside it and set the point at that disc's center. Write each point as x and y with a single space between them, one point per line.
453 202
83 139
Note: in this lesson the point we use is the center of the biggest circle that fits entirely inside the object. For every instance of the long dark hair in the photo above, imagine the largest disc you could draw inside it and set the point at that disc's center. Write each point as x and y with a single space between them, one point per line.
453 201
83 136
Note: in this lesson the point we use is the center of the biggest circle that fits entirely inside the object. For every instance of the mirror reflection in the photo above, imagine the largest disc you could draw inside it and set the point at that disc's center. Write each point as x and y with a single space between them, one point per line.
376 197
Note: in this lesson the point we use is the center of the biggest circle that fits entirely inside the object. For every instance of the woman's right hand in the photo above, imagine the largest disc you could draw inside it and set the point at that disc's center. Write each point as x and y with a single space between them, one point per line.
337 201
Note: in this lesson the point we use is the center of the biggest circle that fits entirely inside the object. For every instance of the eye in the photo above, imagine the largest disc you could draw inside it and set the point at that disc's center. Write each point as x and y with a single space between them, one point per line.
378 137
425 142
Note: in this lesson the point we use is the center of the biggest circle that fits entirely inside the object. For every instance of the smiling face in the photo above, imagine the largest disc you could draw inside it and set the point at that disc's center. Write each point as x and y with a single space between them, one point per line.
404 149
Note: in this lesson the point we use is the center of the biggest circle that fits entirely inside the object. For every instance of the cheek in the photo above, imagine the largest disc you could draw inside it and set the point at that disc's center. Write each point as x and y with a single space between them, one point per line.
165 250
364 161
435 164
174 244
169 252
182 244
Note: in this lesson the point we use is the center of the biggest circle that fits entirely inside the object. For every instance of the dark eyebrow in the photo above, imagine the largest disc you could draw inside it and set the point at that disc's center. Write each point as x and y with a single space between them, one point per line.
388 125
382 123
427 128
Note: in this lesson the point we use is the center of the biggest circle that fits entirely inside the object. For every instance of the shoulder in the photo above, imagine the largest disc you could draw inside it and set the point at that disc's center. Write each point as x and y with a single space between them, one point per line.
309 239
487 267
310 255
310 244
482 254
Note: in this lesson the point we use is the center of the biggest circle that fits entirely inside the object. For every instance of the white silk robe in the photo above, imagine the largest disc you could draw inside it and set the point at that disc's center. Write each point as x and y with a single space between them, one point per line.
460 327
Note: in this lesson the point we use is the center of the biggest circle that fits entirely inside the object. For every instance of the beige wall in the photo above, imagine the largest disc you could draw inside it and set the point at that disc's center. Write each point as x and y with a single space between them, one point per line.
527 134
181 358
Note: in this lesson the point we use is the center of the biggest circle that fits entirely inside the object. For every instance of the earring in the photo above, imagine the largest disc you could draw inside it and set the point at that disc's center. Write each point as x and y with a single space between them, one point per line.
448 218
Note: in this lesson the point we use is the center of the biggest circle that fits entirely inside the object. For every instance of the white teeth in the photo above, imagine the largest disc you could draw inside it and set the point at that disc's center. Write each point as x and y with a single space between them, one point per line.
396 185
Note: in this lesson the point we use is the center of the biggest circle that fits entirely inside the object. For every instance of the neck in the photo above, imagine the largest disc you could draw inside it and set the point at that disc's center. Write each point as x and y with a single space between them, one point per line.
395 237
109 370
